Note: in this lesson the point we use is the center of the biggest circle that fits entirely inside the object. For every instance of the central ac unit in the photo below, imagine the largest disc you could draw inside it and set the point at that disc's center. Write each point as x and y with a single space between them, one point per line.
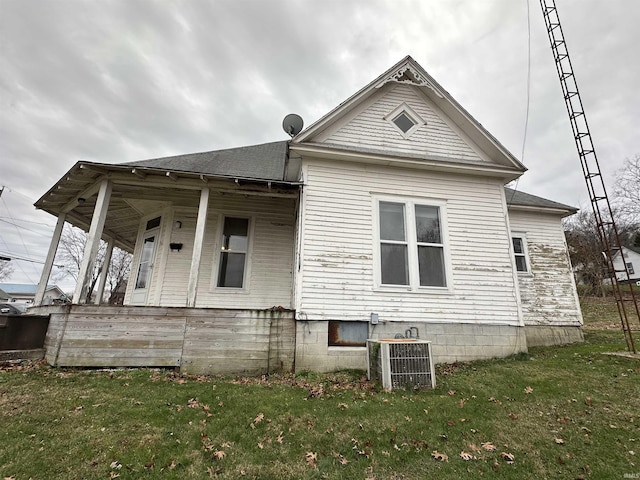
401 363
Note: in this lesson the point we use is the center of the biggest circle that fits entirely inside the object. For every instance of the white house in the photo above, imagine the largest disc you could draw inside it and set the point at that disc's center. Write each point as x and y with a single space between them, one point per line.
26 292
389 216
632 260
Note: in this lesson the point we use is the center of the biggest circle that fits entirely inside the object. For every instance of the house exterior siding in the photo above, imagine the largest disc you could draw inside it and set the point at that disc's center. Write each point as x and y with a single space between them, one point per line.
268 279
547 292
369 129
338 263
548 295
338 253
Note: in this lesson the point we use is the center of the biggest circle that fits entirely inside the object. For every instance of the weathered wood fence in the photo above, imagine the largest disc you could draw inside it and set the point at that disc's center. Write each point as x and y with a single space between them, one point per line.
197 340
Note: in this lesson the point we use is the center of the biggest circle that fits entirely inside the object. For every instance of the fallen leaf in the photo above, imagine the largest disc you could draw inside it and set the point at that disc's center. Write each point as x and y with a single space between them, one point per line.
508 457
451 392
513 416
260 445
219 454
587 401
559 441
474 447
528 390
443 457
193 403
488 446
466 456
311 459
343 406
280 438
259 418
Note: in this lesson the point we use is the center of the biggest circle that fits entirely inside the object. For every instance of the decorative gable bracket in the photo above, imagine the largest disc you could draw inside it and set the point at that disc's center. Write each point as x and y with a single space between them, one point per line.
408 75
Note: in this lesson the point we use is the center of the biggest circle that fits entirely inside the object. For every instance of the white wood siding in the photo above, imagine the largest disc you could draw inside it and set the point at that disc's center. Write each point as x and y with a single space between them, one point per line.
338 247
629 257
369 129
269 263
548 292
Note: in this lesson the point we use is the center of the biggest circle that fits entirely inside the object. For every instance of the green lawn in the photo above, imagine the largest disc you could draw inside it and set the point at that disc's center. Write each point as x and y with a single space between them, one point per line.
565 412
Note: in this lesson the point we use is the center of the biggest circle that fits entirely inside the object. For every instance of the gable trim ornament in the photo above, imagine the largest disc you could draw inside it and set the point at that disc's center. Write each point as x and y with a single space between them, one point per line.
408 75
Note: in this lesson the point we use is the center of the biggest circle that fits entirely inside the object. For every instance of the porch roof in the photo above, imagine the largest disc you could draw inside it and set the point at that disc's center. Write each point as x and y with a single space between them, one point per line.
144 187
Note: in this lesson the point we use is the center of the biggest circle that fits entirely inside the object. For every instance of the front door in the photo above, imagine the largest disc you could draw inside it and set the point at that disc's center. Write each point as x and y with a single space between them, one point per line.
145 266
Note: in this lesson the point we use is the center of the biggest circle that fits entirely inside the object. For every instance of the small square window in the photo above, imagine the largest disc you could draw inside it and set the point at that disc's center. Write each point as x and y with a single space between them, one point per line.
404 122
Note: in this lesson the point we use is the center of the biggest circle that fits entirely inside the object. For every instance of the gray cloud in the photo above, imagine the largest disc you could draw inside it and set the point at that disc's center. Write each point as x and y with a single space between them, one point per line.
121 80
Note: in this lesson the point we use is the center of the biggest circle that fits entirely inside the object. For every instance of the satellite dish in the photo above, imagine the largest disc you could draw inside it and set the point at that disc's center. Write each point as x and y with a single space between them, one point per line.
292 124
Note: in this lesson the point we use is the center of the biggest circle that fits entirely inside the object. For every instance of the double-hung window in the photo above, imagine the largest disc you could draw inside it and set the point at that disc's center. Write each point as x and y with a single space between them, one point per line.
520 253
233 252
412 248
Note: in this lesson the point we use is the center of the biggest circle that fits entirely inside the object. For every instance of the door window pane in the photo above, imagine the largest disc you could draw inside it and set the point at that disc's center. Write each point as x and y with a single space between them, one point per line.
394 264
392 221
431 266
144 270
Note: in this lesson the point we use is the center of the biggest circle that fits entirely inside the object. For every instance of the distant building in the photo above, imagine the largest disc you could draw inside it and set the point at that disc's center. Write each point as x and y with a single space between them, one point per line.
26 292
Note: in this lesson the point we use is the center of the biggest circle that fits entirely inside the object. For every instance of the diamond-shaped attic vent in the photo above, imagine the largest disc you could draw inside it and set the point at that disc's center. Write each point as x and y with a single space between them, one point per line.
404 122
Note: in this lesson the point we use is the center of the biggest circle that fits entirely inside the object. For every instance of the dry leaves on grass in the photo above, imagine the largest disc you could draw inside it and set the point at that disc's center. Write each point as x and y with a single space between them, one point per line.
311 459
528 390
442 457
488 446
508 457
466 456
558 441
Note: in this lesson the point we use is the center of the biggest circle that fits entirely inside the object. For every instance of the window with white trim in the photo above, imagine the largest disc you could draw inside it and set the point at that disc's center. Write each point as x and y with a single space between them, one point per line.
411 244
404 119
233 252
520 253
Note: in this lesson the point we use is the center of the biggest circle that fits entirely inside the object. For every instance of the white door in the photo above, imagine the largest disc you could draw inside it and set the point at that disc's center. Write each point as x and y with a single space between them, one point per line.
145 267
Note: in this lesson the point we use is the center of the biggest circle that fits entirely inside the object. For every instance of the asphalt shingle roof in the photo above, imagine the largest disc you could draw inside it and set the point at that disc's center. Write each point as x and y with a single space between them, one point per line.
516 197
264 162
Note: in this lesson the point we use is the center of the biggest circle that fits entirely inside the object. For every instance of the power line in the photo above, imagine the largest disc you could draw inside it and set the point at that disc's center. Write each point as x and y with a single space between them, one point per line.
12 256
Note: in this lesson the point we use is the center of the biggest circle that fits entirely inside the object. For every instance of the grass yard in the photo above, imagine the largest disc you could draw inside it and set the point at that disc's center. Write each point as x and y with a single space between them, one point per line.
566 412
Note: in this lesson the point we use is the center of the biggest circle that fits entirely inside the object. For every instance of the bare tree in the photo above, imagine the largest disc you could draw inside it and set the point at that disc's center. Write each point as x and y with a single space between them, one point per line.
6 269
627 188
70 255
585 249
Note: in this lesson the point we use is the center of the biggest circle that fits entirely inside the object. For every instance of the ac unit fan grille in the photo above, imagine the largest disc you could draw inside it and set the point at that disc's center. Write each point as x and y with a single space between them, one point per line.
410 365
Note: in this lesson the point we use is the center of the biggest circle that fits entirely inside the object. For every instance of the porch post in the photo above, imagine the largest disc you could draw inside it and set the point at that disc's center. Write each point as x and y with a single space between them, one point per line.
93 242
105 271
48 263
197 247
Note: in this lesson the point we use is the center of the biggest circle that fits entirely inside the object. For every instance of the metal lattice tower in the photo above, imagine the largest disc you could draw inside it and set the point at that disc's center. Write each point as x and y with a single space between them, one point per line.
626 300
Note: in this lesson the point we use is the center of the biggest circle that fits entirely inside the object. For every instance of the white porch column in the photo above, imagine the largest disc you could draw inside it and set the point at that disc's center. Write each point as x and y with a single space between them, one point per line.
93 242
48 263
197 247
105 271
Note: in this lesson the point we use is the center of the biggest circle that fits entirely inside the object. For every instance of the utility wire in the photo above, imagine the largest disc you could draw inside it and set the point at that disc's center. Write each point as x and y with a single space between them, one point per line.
526 116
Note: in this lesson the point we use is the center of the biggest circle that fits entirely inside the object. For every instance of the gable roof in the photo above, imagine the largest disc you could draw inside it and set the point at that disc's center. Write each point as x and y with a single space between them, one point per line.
408 71
526 201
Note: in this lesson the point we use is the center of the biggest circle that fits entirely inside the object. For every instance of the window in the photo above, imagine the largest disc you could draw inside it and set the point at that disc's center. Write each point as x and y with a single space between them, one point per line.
412 250
630 268
520 253
348 334
233 252
404 119
404 122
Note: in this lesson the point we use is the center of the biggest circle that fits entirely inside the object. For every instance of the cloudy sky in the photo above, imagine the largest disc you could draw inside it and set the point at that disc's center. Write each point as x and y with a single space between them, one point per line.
116 81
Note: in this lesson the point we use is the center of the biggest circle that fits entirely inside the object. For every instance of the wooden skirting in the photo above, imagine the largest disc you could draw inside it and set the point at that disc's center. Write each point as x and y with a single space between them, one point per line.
197 340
